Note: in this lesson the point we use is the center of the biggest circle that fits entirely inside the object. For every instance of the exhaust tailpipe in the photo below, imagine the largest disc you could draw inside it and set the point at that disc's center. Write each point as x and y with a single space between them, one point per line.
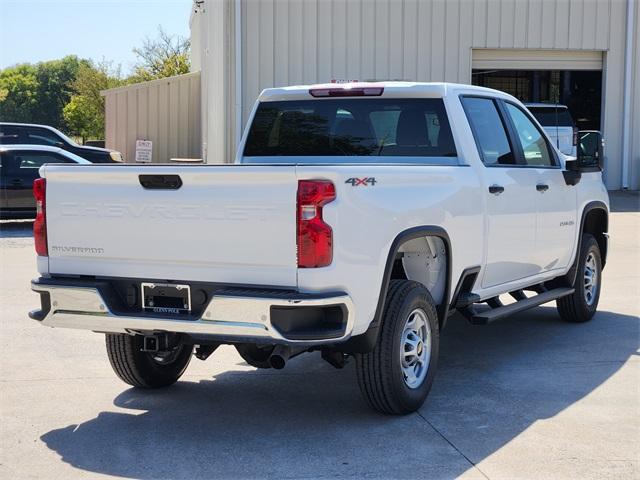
279 356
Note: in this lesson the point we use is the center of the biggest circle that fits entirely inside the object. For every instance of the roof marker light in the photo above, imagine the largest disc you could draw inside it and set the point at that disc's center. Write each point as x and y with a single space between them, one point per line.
346 92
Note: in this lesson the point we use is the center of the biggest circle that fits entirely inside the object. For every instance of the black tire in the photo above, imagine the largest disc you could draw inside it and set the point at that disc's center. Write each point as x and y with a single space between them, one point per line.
576 308
142 369
380 372
254 355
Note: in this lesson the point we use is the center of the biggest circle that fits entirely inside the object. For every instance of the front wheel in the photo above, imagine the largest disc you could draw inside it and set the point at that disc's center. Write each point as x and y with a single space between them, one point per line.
143 369
395 378
580 306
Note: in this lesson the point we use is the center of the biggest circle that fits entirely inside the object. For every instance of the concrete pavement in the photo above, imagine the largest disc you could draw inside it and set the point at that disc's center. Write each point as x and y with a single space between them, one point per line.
529 397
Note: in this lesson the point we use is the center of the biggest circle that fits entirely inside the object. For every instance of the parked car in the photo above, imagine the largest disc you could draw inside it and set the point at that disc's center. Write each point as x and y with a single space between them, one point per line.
558 123
24 133
19 166
358 218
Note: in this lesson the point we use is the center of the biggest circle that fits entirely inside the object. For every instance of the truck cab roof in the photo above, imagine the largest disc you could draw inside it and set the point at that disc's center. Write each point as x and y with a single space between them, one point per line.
390 89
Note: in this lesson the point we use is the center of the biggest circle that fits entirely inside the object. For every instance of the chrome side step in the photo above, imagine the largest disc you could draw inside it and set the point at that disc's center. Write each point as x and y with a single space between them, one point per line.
492 314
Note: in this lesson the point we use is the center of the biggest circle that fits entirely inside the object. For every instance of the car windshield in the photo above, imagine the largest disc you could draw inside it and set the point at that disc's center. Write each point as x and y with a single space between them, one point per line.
367 130
550 116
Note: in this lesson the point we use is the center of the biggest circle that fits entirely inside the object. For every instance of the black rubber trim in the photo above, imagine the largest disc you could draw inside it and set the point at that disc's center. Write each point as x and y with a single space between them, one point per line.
465 284
594 205
322 322
45 307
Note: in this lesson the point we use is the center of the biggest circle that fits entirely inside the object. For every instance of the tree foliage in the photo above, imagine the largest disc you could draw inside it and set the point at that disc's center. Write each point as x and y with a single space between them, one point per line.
165 56
18 93
84 114
65 93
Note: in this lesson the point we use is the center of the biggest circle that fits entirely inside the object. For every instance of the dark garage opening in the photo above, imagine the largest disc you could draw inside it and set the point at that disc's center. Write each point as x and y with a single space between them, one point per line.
579 90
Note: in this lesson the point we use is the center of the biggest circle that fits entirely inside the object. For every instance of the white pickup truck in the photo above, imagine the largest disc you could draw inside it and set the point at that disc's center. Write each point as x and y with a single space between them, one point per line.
356 220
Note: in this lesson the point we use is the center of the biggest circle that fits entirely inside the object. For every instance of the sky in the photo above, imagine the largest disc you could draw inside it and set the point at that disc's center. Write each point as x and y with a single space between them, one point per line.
37 30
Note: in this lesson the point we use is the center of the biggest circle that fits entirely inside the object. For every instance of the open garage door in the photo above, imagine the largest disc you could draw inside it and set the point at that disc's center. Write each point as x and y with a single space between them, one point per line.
567 77
507 59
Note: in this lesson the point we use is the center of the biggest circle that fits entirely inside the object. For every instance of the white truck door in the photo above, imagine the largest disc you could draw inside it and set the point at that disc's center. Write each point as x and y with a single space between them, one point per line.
510 191
555 200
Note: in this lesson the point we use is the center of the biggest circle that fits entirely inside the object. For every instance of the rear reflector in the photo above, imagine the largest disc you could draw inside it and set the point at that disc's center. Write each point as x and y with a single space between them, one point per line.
315 237
347 92
40 224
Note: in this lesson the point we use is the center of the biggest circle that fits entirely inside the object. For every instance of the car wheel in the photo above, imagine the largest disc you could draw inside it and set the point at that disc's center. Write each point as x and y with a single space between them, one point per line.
582 304
395 378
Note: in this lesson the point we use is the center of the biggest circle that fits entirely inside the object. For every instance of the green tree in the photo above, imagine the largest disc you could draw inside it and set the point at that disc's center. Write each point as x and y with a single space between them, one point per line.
38 93
18 93
55 88
83 119
84 113
165 56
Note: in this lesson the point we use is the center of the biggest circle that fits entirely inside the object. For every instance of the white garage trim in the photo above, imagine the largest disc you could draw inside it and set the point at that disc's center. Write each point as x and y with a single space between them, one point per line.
507 59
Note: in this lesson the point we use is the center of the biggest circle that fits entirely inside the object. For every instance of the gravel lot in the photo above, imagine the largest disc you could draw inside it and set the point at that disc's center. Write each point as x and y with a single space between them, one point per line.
528 397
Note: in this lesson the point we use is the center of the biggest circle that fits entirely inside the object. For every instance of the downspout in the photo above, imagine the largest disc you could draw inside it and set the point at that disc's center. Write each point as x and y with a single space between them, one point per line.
626 116
238 73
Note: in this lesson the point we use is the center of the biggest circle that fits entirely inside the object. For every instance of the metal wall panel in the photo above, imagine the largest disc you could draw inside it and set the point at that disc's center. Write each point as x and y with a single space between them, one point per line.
165 111
289 42
634 160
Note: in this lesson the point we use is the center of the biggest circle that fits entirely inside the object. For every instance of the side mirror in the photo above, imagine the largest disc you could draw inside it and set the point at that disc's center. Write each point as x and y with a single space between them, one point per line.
589 151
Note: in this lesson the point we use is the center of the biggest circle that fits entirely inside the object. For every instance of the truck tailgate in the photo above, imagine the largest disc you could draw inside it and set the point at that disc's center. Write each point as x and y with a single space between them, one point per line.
226 223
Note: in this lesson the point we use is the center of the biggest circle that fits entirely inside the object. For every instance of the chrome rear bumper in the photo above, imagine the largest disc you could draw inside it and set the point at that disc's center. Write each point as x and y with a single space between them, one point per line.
231 317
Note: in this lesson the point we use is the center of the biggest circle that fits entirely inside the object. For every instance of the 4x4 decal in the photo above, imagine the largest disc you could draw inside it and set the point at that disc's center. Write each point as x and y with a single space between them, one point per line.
356 182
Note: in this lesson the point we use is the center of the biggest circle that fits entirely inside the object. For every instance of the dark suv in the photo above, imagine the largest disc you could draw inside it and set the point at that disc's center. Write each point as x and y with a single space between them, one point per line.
27 134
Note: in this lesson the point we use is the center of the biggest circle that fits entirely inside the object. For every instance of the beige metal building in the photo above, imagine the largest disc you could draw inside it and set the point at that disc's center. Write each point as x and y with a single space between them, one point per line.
585 53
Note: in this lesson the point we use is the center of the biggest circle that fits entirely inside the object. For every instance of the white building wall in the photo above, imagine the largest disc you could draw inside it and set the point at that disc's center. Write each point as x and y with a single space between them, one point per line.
287 42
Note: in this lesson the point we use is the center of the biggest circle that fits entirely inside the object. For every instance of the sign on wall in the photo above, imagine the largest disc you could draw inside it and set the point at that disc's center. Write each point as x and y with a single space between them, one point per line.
143 151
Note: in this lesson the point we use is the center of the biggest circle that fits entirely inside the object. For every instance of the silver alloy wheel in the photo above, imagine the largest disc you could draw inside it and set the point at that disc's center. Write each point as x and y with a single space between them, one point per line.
415 348
590 279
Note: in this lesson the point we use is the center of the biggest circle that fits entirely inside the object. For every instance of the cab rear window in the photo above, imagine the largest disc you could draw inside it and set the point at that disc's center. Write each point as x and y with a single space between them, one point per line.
367 130
550 117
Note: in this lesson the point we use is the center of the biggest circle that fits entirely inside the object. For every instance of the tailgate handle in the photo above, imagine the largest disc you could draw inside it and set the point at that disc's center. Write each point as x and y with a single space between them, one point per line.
160 182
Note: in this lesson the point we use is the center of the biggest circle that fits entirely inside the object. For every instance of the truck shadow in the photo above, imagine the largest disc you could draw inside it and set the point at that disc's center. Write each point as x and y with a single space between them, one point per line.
309 420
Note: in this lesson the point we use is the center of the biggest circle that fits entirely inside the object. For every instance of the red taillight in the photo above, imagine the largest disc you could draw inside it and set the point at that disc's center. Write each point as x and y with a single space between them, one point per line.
347 92
315 237
575 136
40 224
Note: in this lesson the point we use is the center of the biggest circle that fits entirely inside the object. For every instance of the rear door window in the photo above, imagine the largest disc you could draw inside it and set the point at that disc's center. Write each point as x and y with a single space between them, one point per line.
417 130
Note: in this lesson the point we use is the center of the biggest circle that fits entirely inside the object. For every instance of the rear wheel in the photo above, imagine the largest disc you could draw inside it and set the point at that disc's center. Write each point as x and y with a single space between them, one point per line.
145 369
395 378
582 304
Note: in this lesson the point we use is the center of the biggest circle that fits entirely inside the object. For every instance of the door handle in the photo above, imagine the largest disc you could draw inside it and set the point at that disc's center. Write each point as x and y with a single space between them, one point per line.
160 182
496 189
542 188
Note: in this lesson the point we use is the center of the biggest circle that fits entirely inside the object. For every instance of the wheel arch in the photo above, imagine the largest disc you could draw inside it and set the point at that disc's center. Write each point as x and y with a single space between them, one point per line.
595 220
365 342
